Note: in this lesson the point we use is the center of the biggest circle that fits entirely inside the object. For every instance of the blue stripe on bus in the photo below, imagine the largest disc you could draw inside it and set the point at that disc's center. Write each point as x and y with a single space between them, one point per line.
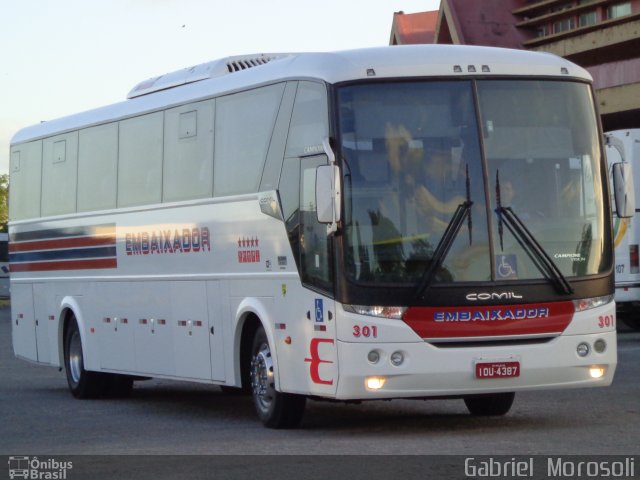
71 254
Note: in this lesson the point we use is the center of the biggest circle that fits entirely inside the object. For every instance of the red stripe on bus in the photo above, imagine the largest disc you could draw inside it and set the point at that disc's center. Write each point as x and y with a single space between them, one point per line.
66 265
489 321
62 243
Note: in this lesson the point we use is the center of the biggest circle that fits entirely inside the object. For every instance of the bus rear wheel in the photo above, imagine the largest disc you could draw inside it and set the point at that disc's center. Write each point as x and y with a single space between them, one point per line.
275 409
489 404
86 384
82 383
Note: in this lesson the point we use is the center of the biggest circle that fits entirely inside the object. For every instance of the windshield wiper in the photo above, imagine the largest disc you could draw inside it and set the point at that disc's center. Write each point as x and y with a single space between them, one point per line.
529 244
446 241
532 247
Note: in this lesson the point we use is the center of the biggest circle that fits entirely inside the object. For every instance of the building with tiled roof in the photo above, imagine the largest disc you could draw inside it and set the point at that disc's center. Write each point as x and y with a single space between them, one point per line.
411 28
601 35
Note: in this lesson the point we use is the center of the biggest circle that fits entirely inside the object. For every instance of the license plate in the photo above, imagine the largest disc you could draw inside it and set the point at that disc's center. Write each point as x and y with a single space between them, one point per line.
497 369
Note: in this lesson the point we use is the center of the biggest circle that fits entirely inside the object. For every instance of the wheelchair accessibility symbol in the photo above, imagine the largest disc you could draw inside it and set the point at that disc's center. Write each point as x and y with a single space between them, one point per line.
506 266
319 310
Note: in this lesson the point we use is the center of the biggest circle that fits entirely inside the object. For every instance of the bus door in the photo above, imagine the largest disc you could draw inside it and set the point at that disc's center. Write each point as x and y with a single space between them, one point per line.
316 269
314 362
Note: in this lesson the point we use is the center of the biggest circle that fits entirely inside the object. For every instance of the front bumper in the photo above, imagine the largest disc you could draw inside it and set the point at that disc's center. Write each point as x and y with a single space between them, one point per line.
430 370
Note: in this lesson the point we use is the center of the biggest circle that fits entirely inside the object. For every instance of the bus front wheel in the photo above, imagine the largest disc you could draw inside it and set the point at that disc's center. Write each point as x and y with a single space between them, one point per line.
490 404
275 409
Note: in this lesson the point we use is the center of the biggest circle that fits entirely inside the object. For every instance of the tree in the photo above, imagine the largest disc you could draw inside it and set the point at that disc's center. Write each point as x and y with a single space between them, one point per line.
4 201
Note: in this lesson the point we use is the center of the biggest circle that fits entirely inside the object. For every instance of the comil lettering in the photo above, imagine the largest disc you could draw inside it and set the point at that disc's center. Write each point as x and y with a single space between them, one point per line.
492 296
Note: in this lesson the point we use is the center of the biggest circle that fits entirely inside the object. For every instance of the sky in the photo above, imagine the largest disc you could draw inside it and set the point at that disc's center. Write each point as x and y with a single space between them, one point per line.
59 57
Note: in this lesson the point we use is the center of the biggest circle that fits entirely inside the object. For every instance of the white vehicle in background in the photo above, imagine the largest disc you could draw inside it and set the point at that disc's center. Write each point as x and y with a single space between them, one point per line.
4 265
624 146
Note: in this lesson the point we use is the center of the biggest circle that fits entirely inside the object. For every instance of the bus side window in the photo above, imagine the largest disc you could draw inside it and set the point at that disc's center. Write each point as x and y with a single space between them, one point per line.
315 267
188 152
243 128
308 238
309 120
140 160
98 167
289 189
59 174
26 174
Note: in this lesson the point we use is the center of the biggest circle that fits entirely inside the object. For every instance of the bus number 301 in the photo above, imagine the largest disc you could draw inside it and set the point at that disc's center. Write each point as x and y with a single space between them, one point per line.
606 321
365 331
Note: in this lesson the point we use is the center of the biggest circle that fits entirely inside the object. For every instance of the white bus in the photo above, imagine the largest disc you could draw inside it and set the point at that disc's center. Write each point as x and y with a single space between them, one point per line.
4 265
399 222
624 146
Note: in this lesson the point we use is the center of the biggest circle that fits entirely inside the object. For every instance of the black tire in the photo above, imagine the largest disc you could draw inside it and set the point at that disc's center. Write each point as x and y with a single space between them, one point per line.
234 391
490 404
82 383
118 386
275 409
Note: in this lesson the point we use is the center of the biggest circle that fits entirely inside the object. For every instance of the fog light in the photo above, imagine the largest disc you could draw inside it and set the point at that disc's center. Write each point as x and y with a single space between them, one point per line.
374 356
600 345
596 372
583 349
374 383
397 358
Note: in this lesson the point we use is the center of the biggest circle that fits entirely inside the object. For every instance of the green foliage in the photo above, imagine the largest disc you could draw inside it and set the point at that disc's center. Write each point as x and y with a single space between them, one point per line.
4 201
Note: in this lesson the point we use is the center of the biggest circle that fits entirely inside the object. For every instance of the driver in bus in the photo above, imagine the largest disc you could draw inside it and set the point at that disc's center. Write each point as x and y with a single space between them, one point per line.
428 176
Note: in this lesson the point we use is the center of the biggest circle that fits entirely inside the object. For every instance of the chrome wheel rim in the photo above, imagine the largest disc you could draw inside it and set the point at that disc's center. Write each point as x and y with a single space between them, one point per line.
262 384
75 357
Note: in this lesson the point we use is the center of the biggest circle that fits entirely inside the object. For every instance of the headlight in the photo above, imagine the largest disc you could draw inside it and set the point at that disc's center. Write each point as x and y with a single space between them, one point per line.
394 313
589 303
374 383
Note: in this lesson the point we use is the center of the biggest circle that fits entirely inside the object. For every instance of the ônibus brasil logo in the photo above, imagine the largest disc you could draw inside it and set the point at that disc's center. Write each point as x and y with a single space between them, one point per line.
40 469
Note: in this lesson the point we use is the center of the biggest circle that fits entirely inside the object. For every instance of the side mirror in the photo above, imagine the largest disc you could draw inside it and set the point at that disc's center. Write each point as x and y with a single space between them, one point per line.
328 197
624 190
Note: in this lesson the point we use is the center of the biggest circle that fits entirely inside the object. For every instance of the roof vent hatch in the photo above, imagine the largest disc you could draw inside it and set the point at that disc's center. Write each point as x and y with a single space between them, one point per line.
204 71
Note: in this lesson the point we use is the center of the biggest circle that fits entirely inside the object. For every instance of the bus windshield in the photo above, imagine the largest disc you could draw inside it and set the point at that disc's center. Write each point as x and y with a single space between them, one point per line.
494 160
